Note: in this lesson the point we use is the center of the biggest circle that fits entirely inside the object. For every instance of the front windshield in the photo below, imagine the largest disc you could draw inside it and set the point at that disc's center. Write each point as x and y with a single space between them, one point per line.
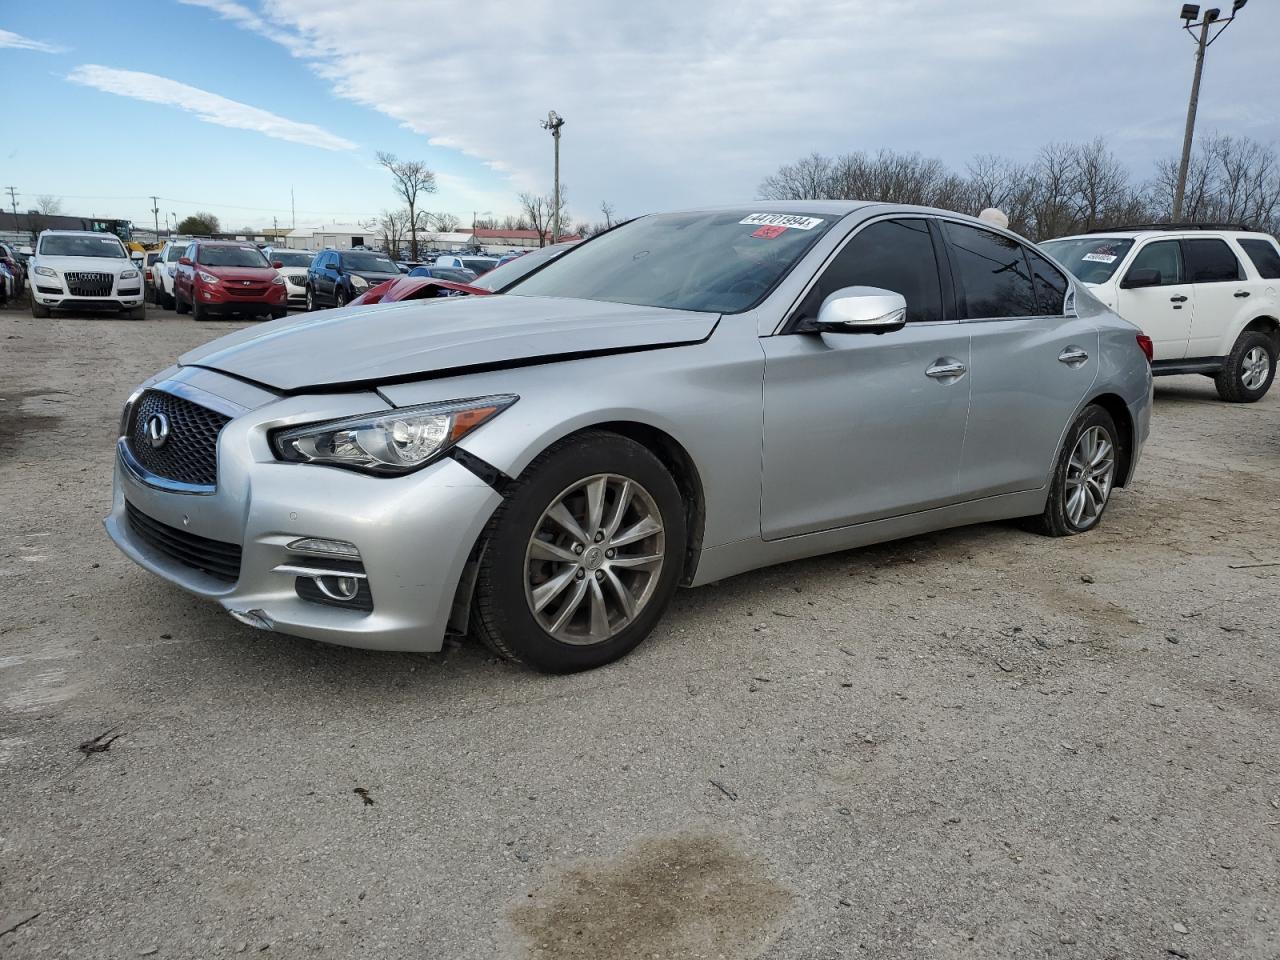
479 265
372 262
73 246
175 254
239 256
714 262
292 258
508 273
1091 259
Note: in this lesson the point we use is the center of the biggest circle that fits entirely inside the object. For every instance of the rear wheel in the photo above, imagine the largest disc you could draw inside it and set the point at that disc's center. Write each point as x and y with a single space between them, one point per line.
1250 368
1083 477
583 557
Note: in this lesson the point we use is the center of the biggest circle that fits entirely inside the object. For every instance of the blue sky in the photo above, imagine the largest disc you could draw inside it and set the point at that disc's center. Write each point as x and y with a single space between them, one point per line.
227 104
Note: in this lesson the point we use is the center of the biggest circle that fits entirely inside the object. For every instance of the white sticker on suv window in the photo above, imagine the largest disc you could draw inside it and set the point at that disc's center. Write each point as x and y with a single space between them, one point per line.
1098 258
103 240
781 220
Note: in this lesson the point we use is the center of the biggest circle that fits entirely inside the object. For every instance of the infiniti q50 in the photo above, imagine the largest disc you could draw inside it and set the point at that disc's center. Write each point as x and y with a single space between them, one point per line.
680 399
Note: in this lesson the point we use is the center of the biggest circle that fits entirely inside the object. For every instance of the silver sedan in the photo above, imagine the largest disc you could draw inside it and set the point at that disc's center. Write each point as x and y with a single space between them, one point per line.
678 400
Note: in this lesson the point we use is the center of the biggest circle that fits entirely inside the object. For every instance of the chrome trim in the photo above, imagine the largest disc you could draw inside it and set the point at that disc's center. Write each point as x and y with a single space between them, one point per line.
298 570
198 396
145 476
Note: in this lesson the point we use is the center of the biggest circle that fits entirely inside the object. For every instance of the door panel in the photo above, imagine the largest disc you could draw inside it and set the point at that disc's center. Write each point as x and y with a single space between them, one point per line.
854 428
1023 397
1166 312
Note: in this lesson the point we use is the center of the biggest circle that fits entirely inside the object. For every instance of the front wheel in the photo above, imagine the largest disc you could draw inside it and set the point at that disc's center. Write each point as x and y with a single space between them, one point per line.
39 311
340 298
1083 477
1251 366
311 299
583 557
180 305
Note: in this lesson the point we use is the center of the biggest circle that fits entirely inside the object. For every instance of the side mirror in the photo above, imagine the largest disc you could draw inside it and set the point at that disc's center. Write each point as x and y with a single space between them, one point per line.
1142 277
277 264
185 261
861 310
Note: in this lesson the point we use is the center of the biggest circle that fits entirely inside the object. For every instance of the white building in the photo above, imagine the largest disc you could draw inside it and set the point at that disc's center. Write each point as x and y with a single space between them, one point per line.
335 236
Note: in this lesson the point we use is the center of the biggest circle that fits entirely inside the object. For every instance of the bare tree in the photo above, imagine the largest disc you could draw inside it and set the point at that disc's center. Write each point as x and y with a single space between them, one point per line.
49 206
537 211
393 224
445 222
412 177
609 214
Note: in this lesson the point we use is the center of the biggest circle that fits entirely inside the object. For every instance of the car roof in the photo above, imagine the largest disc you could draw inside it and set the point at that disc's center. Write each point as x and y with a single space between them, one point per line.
78 233
1179 231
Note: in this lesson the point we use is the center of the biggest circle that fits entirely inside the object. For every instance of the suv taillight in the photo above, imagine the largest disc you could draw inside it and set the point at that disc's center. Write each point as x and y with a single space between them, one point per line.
1147 346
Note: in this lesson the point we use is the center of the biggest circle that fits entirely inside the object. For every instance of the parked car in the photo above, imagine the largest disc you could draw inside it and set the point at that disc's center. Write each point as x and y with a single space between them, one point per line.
150 260
220 277
477 265
456 274
336 277
414 288
165 269
293 267
1205 295
545 467
16 266
509 271
82 270
7 289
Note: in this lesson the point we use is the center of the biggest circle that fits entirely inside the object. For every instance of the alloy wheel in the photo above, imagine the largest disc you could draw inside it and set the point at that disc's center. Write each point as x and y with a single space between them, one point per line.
1089 474
594 559
1254 368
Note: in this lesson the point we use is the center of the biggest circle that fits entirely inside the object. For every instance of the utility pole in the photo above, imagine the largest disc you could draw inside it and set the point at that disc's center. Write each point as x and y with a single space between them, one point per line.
13 199
155 210
293 210
553 123
1213 16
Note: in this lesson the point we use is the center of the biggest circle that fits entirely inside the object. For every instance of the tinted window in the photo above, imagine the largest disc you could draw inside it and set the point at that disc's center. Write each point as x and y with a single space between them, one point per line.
1265 257
1165 256
1051 285
894 255
991 272
1211 261
369 262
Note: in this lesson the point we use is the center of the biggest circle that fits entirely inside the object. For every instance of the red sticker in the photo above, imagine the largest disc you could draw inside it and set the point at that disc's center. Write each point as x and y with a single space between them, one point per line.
768 233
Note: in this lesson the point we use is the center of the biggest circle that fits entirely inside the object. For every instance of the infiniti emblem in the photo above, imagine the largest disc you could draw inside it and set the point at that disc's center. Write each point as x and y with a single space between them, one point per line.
157 430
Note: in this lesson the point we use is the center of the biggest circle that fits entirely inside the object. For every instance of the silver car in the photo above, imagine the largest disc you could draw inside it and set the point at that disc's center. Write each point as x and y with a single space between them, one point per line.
681 399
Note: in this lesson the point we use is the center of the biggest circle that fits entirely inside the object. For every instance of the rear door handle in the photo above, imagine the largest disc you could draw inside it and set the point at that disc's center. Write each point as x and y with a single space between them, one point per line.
1073 356
1178 299
946 370
1241 294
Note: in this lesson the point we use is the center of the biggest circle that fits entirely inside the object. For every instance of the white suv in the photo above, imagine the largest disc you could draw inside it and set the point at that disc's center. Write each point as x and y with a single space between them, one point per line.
1207 296
164 269
77 269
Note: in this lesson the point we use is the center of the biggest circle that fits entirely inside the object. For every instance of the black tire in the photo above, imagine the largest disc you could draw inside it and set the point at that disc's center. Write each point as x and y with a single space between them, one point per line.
502 617
180 305
1230 381
278 313
198 313
340 298
311 299
167 301
38 311
1056 520
136 313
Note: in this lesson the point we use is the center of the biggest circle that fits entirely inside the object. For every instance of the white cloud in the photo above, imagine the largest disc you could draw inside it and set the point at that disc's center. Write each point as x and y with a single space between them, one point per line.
671 102
17 41
209 107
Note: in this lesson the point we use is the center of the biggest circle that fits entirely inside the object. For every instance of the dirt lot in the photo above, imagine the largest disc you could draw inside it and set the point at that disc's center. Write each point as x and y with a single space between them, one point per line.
977 744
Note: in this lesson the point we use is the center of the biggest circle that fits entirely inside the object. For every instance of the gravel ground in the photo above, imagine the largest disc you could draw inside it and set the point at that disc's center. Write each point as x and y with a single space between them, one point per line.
975 744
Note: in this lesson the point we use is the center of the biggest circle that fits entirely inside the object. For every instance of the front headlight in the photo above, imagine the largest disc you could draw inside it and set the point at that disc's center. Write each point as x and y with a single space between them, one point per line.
46 272
277 279
359 282
390 443
207 277
128 274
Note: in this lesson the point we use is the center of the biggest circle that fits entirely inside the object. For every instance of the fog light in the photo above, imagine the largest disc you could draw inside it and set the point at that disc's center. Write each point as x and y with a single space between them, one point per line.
338 588
320 547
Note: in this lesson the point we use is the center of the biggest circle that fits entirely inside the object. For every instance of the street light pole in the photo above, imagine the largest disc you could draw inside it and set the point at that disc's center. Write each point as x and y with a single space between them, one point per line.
553 123
1189 13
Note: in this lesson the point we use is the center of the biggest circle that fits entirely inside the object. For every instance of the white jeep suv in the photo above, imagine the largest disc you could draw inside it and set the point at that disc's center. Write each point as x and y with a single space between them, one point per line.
74 269
1208 296
164 270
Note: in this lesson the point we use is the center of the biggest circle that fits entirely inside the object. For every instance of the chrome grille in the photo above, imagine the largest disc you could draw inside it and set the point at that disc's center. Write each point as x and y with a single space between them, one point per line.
190 454
217 559
298 279
89 284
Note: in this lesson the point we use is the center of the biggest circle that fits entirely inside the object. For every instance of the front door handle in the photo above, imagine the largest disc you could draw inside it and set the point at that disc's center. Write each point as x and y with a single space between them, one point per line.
1073 356
1178 299
1241 294
946 370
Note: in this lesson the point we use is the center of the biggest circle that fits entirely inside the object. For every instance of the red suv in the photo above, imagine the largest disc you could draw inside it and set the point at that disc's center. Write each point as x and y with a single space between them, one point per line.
228 276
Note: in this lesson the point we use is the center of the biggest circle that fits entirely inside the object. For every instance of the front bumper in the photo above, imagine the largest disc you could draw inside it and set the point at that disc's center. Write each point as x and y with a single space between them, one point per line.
414 533
52 293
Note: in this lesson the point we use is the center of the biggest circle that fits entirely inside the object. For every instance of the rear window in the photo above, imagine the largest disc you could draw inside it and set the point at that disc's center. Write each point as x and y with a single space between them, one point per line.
1265 257
1210 260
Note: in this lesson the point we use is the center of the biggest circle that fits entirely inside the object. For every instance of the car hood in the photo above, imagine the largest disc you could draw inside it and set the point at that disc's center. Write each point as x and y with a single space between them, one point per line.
374 276
87 264
401 341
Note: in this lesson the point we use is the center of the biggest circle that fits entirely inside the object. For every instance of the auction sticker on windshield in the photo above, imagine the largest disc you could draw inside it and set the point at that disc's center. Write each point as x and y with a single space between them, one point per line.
1099 258
784 220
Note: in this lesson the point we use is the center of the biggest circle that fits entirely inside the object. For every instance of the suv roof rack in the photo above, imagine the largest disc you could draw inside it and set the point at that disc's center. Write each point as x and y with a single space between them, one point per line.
1244 228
